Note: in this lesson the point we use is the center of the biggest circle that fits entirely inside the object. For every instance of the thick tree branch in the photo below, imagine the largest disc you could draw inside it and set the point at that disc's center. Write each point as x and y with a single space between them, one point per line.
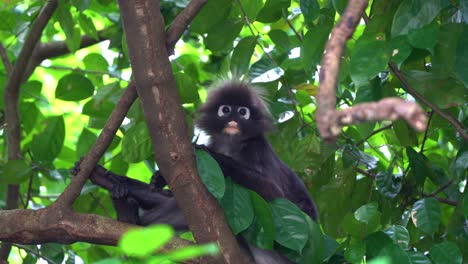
64 226
329 120
459 127
11 97
146 39
73 190
182 21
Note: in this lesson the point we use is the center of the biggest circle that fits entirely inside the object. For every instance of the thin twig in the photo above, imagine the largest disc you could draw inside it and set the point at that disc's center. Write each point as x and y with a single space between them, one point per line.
374 133
441 188
5 60
459 127
366 173
426 132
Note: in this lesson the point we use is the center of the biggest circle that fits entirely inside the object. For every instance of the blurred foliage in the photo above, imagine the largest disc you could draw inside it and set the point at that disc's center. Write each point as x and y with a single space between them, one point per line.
392 196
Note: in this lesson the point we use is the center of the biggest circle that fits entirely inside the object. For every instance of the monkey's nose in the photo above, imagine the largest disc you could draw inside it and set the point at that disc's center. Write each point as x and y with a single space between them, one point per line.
232 128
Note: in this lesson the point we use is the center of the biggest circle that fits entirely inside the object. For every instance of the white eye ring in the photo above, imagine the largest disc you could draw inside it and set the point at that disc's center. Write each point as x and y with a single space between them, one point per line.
244 112
224 110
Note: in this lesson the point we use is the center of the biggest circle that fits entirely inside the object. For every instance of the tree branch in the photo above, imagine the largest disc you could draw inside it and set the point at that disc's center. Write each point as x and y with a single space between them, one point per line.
11 96
64 226
146 39
329 120
459 127
182 21
5 60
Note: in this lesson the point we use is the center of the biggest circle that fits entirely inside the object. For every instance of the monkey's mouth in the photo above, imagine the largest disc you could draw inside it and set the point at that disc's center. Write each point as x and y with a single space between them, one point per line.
232 128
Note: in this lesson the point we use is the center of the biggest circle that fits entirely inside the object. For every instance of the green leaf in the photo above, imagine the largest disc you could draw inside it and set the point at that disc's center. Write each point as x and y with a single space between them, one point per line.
85 141
414 14
237 206
95 62
310 10
8 20
313 45
461 57
241 55
221 37
355 252
141 242
262 231
370 56
418 165
290 224
31 89
16 171
280 39
381 245
252 8
188 91
273 10
210 16
366 212
315 250
400 49
426 215
74 87
136 143
29 115
425 37
210 173
405 134
67 24
446 253
399 234
47 145
388 184
86 23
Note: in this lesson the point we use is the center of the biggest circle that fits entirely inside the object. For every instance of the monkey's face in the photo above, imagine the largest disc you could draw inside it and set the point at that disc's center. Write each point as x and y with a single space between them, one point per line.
234 111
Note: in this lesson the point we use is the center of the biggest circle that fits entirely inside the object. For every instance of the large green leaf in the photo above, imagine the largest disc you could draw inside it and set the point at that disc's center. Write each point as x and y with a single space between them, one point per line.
262 231
85 142
242 54
399 234
366 212
237 207
221 37
74 87
46 145
68 25
313 46
252 8
290 224
355 252
425 37
188 91
369 57
419 165
310 10
426 215
414 14
210 16
211 174
272 10
446 253
16 171
136 143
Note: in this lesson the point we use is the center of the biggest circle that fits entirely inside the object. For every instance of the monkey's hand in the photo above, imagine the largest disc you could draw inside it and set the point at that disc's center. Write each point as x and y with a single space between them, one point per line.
119 191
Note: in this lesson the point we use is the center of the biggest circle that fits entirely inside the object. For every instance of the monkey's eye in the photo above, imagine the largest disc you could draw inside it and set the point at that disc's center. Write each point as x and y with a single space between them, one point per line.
244 112
224 110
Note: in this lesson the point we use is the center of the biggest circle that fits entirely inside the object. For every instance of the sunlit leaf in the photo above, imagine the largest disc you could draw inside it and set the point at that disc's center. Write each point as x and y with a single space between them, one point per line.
241 55
143 241
399 234
16 171
366 212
